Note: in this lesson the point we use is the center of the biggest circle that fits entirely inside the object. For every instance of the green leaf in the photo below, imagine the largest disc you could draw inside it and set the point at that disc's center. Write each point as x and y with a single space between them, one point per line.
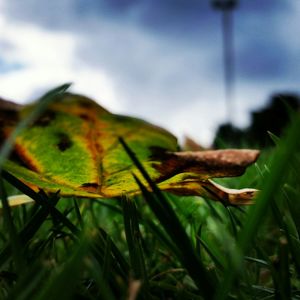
73 146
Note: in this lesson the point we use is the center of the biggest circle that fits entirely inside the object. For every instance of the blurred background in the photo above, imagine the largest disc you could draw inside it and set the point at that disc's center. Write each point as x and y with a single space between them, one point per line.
195 67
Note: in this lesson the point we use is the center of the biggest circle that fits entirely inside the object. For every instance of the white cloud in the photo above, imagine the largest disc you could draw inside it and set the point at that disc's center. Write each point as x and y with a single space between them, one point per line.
198 120
47 59
148 90
171 81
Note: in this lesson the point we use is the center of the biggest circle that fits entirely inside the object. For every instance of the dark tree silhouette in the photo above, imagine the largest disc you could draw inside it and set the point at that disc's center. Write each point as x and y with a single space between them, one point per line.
273 118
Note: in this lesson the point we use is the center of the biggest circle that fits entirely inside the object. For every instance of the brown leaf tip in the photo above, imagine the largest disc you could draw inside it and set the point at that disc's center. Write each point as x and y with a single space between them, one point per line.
228 157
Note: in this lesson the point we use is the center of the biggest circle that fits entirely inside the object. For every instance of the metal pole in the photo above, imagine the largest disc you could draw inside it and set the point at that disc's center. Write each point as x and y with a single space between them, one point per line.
228 62
226 7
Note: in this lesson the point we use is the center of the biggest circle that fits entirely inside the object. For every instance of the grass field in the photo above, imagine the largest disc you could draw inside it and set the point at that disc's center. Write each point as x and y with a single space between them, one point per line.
157 245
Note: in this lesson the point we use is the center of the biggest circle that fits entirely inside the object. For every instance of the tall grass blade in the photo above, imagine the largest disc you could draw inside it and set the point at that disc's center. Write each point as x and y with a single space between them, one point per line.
104 288
28 231
187 254
62 283
42 200
280 165
283 289
16 245
99 249
166 215
134 242
78 213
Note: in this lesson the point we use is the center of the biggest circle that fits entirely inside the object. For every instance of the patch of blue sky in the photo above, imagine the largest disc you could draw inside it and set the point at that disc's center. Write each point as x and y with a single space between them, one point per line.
7 67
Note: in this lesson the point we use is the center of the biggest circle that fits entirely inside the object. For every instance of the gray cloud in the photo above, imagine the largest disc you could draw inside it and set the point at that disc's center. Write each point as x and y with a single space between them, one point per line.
166 55
260 59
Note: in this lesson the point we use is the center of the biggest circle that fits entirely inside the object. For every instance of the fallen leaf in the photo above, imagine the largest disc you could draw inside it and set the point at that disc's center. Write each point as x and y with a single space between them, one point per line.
74 147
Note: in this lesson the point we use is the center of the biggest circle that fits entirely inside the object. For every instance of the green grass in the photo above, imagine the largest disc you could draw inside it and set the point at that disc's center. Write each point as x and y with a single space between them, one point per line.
157 245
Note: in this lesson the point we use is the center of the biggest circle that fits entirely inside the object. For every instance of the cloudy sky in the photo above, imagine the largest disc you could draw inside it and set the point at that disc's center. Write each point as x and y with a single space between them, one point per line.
157 59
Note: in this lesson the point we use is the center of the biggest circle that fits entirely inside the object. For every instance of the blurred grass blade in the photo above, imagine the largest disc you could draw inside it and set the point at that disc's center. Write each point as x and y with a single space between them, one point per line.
232 221
27 283
214 253
28 231
16 246
283 289
284 218
294 243
213 210
100 251
78 213
166 215
63 282
104 288
36 112
41 199
134 242
107 258
156 230
279 167
274 138
180 292
4 153
162 237
118 257
185 251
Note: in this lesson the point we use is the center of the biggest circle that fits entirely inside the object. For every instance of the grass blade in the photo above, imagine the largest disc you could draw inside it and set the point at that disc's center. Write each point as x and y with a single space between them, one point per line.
134 242
42 200
28 231
62 284
280 165
166 215
283 289
16 245
36 112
